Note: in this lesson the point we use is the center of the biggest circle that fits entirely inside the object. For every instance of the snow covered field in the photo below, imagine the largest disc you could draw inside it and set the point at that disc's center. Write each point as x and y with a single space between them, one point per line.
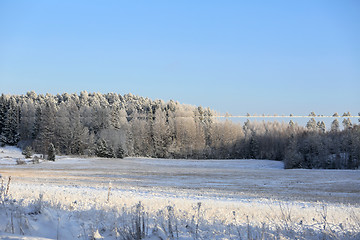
87 198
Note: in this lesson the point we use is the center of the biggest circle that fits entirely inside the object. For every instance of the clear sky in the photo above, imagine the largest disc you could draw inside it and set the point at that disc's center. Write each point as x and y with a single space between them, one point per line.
232 56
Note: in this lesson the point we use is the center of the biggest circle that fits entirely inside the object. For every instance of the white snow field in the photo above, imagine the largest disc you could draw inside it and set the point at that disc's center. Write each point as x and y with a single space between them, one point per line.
144 198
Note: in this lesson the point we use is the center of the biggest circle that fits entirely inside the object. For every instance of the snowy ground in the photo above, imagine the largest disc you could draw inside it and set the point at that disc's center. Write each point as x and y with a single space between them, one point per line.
185 199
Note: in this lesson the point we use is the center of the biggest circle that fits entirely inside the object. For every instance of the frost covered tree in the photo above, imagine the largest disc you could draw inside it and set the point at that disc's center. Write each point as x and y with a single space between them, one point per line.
46 134
27 120
160 134
312 114
311 125
347 123
335 125
321 126
293 158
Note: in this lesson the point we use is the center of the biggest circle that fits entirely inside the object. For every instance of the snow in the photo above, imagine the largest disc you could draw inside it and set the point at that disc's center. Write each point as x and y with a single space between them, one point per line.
8 236
203 199
9 155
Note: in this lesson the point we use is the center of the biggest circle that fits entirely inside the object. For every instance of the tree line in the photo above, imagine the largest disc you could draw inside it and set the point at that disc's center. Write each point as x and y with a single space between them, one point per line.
113 125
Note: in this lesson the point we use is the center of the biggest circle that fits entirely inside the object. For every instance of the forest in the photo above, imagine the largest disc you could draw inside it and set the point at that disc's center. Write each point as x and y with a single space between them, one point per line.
115 126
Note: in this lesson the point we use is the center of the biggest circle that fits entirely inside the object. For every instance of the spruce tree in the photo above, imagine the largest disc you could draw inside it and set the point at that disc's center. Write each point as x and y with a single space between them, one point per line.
311 125
51 152
120 152
335 126
347 123
103 150
3 110
321 126
292 158
10 131
27 152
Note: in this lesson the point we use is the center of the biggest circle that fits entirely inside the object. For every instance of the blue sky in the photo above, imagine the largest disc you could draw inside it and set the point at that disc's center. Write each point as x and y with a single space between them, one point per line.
232 56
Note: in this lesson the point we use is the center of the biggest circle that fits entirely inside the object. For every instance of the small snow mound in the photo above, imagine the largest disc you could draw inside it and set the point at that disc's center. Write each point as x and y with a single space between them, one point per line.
97 235
157 234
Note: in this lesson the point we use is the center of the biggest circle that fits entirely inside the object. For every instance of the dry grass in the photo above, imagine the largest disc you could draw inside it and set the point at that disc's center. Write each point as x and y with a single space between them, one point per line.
128 215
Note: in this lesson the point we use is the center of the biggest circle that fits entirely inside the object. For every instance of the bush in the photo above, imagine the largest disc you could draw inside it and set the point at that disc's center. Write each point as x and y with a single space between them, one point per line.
36 160
20 162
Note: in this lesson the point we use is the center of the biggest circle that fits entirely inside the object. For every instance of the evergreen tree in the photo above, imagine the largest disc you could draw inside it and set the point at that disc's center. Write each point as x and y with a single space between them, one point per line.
27 152
47 128
253 148
51 152
3 110
335 126
311 125
27 120
321 126
120 153
160 134
291 124
10 131
103 150
37 123
347 123
293 158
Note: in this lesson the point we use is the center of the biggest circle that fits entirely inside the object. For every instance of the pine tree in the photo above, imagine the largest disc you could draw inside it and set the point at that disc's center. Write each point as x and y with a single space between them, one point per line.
160 134
120 153
347 123
37 123
321 126
253 148
3 110
292 158
311 125
10 131
103 150
46 133
27 152
335 126
291 124
51 152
